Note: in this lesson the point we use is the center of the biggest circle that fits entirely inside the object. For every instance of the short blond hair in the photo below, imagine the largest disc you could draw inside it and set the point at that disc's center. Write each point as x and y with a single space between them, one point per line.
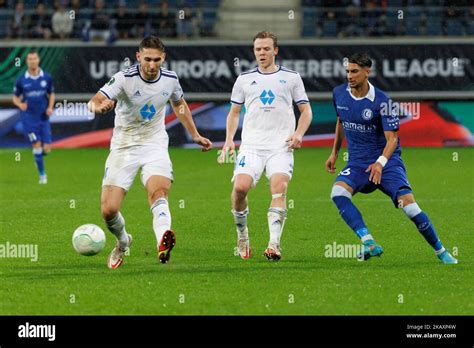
266 35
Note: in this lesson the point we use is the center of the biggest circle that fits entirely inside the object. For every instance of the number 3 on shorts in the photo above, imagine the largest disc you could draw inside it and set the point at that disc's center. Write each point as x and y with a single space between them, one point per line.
242 161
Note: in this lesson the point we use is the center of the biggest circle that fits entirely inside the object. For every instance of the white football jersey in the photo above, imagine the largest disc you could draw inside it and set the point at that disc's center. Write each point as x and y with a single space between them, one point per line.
141 106
269 117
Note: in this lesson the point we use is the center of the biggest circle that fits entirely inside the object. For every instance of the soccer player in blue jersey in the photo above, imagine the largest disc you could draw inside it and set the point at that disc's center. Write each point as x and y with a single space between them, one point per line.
34 96
374 157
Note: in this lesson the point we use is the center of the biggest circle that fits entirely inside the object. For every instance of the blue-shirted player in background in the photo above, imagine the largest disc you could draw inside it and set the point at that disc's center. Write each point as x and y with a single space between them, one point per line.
34 96
374 157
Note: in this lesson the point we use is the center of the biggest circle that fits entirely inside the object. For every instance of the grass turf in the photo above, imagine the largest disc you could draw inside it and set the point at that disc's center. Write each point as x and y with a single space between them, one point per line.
204 277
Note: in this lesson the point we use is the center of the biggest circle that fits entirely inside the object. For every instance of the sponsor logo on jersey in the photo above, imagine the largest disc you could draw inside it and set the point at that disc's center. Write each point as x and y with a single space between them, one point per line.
282 81
147 111
112 80
34 94
358 127
253 83
137 94
342 107
367 114
267 97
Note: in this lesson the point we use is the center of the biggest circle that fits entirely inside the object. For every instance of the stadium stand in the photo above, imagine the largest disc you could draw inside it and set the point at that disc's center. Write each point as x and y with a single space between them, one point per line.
187 19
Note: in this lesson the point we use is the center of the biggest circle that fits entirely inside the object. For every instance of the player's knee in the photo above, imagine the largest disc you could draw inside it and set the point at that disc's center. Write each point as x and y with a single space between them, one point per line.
37 151
157 194
240 190
280 188
338 192
412 209
403 201
108 211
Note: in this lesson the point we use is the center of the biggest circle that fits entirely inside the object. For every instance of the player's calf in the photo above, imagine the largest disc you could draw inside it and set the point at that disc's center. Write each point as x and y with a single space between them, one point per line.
38 156
426 228
116 225
276 221
243 244
342 198
161 218
46 149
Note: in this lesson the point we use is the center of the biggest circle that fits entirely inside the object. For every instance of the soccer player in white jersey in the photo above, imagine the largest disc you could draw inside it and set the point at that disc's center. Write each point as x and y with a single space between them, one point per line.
139 95
268 138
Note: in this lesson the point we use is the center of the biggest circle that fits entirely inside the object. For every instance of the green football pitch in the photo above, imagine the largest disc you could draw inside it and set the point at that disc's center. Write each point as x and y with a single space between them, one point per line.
204 277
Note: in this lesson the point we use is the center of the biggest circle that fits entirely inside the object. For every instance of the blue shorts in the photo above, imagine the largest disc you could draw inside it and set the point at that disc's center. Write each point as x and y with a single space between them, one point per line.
38 131
394 181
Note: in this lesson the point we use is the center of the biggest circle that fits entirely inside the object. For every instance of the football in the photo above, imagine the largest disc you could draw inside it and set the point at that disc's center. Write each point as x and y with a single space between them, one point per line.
88 239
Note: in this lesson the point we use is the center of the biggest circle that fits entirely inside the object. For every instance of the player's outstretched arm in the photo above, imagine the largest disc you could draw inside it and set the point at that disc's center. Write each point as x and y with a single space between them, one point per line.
339 137
232 124
306 116
181 110
376 168
100 104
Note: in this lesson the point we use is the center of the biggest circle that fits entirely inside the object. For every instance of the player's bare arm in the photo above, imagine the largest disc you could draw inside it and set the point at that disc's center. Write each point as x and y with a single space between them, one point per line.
181 109
19 104
377 167
231 127
51 100
100 104
339 137
306 116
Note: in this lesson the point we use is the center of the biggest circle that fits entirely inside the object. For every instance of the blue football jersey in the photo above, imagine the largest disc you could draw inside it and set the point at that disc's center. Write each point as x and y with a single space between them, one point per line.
34 91
364 123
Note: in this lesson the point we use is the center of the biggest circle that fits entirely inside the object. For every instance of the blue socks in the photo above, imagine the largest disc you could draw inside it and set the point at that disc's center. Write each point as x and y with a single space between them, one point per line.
424 225
426 228
38 154
351 215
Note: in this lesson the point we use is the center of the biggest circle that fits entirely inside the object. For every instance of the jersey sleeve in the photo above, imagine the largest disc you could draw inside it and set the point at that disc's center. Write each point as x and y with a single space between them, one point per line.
114 87
390 120
50 87
177 93
238 96
18 88
298 92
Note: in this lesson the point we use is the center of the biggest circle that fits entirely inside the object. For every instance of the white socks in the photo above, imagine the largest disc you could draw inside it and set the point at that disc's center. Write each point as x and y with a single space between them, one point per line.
240 218
161 218
117 227
276 220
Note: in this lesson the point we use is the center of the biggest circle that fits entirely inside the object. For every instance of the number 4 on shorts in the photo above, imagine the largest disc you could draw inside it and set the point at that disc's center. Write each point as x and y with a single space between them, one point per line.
345 172
242 162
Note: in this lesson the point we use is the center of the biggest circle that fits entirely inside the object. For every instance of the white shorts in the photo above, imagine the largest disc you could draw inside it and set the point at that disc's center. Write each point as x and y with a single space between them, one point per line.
255 162
122 165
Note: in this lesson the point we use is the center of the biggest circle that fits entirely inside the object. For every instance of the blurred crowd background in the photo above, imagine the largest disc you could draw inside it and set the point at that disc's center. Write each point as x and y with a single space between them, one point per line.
91 20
